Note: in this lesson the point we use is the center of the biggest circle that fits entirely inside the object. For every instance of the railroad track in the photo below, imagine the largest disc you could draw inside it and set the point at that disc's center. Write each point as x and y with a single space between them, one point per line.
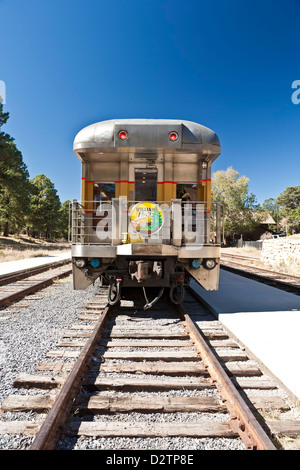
16 286
121 373
240 265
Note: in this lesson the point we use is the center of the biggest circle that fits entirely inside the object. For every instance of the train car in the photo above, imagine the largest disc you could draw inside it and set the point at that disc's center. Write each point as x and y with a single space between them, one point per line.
146 219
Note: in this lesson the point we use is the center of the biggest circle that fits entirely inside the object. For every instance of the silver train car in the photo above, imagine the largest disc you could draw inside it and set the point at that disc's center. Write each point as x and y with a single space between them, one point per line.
146 218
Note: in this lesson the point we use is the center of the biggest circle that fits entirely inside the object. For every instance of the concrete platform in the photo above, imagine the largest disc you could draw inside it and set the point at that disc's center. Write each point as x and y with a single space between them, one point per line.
265 319
19 266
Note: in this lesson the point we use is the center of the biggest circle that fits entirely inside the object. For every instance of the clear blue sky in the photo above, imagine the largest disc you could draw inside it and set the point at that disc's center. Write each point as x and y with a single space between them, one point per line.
228 65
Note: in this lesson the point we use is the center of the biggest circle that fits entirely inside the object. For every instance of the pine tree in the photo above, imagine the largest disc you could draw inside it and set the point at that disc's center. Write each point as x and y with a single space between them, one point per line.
63 229
289 202
14 182
44 216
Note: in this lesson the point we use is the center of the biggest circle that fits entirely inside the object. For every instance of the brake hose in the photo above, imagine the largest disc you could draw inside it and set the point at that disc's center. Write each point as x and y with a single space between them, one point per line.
182 297
149 305
117 295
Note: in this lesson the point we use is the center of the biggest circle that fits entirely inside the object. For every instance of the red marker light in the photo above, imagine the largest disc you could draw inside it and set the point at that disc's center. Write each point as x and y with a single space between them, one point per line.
173 136
123 135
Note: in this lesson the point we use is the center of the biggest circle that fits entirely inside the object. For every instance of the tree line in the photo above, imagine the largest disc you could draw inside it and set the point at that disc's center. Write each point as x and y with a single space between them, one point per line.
30 206
242 214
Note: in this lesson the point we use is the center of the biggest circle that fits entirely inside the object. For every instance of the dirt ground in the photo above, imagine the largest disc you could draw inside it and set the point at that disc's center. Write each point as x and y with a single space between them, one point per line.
246 251
14 248
252 254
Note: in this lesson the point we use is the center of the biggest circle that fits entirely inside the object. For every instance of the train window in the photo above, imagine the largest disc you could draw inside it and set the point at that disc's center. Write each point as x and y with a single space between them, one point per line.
187 191
104 191
146 184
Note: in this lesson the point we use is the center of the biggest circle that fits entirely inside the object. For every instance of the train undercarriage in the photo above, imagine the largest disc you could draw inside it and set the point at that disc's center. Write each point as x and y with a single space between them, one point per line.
165 273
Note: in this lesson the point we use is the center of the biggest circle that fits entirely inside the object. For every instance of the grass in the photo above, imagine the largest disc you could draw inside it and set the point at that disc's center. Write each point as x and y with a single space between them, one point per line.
285 442
14 248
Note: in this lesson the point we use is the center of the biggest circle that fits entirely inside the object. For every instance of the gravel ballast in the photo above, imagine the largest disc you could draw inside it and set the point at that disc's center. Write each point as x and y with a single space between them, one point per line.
26 337
27 334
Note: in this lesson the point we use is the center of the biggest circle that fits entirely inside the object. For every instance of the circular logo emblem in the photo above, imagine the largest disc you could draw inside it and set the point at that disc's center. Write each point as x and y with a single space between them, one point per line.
146 218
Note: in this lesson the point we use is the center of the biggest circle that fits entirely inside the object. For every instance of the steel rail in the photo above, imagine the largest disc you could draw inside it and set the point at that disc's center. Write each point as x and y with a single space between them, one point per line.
265 279
235 256
242 419
53 425
33 288
230 259
10 278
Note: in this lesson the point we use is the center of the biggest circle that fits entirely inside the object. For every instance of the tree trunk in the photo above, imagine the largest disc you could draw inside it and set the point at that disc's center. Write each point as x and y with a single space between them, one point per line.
5 231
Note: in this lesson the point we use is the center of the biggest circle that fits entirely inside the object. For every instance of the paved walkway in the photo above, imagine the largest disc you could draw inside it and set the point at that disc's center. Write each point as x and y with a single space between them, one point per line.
11 267
265 319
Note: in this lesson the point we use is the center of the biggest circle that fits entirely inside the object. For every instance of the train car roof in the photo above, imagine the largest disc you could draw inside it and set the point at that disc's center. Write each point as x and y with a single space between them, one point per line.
146 135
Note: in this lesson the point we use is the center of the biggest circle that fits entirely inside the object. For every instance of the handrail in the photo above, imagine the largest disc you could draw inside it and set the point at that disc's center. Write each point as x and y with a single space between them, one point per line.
174 222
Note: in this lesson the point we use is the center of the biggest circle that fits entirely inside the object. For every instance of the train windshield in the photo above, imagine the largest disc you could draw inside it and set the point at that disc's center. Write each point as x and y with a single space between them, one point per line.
146 184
